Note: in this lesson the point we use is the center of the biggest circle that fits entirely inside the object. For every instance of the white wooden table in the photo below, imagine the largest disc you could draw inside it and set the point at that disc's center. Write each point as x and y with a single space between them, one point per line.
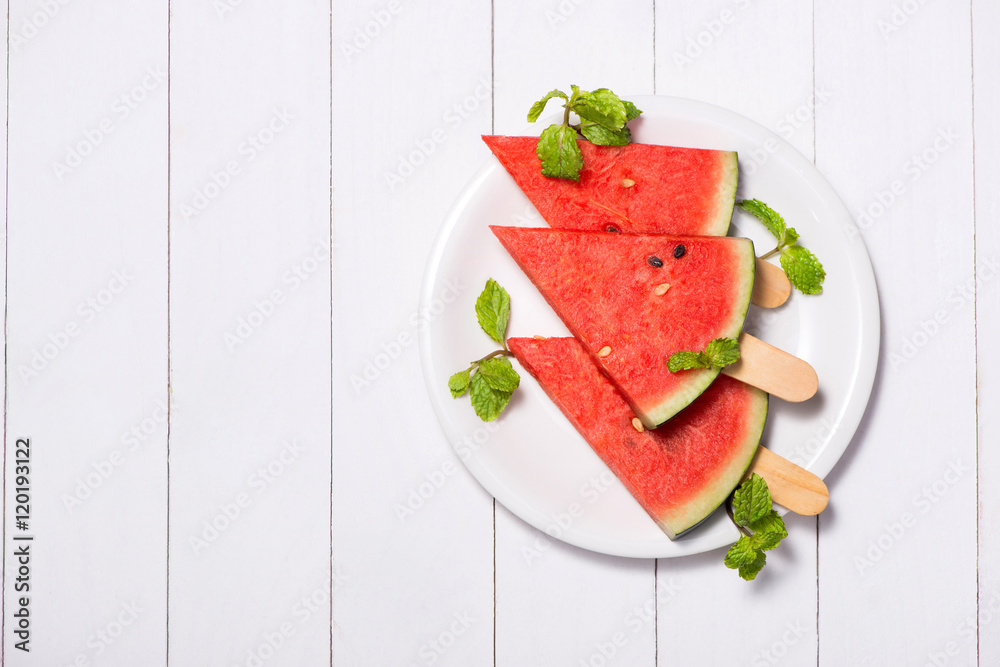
210 205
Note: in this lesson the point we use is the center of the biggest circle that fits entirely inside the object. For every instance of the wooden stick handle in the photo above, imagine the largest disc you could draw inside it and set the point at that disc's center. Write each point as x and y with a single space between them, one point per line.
775 371
770 286
791 486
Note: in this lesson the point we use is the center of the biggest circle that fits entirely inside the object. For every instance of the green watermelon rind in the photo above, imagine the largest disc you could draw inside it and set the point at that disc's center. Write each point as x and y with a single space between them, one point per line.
701 378
712 497
726 196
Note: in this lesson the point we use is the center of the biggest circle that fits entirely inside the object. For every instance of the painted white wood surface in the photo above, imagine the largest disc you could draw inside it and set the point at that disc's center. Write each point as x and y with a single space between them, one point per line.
986 62
901 539
206 213
412 532
249 334
86 312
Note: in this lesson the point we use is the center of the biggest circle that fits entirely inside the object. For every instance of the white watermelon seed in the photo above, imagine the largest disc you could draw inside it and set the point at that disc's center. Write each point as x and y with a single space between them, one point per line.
661 289
637 424
627 182
604 351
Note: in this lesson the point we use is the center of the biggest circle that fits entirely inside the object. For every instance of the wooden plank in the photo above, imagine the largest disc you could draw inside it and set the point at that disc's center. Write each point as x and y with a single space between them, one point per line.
250 455
412 531
713 52
87 324
895 140
986 71
558 604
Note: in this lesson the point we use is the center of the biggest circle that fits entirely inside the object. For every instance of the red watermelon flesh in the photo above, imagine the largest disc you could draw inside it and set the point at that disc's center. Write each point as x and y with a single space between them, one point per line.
680 472
630 314
675 190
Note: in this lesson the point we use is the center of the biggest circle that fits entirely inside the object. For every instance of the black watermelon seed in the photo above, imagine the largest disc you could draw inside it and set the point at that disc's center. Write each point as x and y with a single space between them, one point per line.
679 251
613 229
655 261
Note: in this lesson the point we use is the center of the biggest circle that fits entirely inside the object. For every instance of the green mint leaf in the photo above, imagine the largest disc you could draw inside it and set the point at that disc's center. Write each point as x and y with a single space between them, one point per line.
768 216
686 360
559 152
631 111
602 107
804 270
740 552
487 401
791 236
539 106
746 557
493 310
602 136
722 352
499 374
751 501
459 383
765 541
719 353
770 524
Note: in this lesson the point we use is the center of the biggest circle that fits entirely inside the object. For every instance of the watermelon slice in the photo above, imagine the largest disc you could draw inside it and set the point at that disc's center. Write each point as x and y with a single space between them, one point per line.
635 299
680 472
633 188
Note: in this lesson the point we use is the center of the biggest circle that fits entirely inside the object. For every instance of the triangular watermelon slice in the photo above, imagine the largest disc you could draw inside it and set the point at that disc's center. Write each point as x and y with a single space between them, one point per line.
680 472
633 188
635 299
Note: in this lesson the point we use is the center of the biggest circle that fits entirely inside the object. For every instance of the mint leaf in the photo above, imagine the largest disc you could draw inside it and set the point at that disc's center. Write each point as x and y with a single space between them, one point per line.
765 541
539 106
499 374
741 552
491 380
602 107
493 310
791 236
719 353
751 501
631 111
603 116
770 523
803 269
745 556
559 153
487 401
768 216
602 136
722 352
459 383
751 509
686 360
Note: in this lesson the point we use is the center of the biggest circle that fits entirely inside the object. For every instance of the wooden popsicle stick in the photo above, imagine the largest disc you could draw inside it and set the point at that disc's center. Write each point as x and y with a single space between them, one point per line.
770 287
775 371
790 485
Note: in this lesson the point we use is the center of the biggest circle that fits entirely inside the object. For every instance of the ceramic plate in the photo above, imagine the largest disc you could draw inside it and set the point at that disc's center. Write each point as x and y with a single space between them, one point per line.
531 459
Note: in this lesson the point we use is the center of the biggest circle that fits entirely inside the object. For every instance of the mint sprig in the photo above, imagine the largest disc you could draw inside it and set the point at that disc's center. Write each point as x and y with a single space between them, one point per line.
603 116
719 353
761 526
490 381
804 270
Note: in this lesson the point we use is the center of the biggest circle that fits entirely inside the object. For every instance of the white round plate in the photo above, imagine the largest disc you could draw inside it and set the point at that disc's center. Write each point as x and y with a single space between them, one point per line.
531 459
